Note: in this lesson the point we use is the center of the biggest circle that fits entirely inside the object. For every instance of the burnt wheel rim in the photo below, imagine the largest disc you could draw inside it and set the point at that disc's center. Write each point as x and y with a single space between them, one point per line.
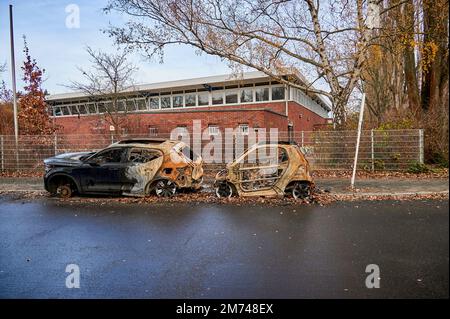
165 188
64 191
224 190
301 191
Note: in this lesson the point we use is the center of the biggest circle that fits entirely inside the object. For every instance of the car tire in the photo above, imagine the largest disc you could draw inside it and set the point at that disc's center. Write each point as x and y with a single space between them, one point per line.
224 190
165 188
301 190
64 191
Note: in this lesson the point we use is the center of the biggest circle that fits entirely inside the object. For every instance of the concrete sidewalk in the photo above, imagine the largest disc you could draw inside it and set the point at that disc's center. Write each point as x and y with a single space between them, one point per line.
385 186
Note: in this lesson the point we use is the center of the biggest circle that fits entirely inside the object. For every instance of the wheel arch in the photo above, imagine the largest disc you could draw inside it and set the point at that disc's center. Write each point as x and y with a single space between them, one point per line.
51 181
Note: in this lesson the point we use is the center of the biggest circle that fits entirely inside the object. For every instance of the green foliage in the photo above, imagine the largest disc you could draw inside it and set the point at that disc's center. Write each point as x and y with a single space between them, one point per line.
418 168
379 165
438 159
398 124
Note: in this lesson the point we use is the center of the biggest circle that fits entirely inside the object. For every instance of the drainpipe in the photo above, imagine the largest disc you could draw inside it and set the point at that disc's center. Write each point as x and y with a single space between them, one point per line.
286 88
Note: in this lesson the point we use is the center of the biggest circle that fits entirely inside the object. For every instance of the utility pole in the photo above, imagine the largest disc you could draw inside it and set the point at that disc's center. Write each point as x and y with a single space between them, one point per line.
13 81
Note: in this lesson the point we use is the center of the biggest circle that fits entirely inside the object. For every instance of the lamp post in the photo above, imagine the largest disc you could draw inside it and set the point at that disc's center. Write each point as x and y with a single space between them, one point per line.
13 82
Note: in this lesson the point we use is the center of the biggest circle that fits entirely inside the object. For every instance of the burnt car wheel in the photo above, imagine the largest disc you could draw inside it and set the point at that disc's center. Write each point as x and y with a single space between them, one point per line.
165 188
224 190
64 191
301 190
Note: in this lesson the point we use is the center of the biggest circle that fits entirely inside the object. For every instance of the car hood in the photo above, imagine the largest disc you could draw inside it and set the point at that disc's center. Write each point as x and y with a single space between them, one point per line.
67 159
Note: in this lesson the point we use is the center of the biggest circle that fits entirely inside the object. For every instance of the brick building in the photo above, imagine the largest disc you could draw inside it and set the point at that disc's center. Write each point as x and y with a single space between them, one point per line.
250 102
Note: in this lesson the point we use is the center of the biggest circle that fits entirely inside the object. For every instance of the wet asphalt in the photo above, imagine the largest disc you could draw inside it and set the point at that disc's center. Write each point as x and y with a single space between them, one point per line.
223 251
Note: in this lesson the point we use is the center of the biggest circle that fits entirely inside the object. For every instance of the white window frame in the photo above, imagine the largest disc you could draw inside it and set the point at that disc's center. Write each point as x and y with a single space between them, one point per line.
213 130
222 92
155 133
262 87
243 132
149 102
277 86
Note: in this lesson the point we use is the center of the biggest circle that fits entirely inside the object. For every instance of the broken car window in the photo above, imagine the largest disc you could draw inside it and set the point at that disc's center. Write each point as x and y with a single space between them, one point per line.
109 156
140 156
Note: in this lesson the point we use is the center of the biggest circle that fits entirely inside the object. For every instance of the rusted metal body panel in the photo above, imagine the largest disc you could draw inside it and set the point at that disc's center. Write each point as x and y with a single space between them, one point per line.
274 169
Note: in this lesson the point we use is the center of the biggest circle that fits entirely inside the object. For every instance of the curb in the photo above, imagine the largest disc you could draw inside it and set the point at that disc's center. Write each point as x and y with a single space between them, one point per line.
390 194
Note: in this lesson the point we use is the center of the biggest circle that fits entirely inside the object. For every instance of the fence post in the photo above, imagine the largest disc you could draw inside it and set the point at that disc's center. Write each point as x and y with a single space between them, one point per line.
55 143
421 146
3 152
372 150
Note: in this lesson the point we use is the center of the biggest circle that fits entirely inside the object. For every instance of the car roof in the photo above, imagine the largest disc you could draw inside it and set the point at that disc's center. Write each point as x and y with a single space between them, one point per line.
158 143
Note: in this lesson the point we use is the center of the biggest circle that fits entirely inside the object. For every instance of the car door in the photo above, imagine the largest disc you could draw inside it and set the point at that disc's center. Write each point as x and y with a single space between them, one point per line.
104 171
261 168
142 166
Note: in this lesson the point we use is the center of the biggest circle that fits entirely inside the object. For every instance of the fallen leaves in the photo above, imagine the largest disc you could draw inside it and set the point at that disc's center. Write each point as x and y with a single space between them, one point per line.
318 198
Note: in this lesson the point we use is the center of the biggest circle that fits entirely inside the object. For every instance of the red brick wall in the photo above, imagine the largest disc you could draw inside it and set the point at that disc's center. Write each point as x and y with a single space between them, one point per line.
264 115
304 119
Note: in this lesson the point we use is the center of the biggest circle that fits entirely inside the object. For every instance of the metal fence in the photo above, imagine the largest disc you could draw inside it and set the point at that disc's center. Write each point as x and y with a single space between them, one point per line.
393 150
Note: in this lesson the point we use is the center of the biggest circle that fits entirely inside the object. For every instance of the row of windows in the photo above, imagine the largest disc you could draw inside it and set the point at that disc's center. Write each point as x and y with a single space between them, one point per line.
213 130
309 103
179 99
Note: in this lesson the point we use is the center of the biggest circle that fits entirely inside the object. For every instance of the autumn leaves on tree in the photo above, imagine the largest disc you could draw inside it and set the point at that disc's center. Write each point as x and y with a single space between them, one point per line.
33 115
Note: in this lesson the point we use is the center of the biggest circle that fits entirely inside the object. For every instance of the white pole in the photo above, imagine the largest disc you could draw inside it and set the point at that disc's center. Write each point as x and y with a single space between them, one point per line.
372 150
421 146
358 138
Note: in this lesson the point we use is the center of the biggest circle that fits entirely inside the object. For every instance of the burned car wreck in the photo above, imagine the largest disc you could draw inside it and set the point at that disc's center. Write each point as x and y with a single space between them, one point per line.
267 170
129 167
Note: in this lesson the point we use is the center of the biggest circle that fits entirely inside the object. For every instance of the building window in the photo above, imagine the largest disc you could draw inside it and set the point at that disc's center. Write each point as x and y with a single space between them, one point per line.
130 105
243 129
82 109
92 108
141 105
154 103
203 98
57 111
165 102
231 97
177 101
246 95
153 131
73 109
262 94
217 98
121 106
277 93
213 130
101 107
190 99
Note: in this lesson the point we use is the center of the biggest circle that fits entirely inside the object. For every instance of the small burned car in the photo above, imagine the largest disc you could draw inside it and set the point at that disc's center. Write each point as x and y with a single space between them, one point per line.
128 167
266 170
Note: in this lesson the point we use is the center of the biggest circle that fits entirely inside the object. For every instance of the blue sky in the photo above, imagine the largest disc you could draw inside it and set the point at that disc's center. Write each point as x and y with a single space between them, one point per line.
59 50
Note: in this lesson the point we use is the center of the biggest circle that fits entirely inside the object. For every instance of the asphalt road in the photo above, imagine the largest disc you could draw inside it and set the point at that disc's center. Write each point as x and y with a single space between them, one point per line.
205 251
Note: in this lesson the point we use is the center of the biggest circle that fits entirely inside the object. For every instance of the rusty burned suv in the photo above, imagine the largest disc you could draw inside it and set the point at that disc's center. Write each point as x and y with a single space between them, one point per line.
129 167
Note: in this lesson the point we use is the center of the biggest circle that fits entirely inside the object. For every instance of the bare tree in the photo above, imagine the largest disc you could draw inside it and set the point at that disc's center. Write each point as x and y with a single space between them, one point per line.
108 80
324 42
